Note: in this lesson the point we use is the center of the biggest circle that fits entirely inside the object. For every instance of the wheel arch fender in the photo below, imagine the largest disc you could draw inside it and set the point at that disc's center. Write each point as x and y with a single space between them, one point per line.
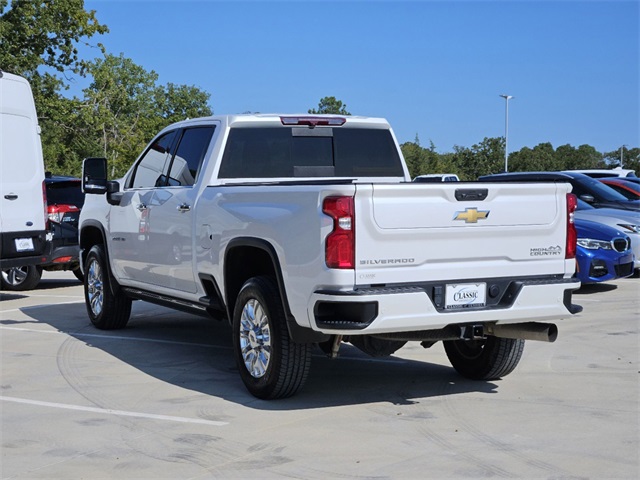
93 233
247 257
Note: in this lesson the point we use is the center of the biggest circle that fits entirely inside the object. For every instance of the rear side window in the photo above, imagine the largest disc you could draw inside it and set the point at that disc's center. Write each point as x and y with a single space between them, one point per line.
304 152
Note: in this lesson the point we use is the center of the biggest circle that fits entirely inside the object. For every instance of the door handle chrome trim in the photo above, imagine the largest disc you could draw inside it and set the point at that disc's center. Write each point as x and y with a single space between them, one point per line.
184 208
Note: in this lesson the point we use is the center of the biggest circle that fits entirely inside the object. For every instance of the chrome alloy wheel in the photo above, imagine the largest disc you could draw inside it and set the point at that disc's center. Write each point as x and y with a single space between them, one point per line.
255 338
95 287
15 276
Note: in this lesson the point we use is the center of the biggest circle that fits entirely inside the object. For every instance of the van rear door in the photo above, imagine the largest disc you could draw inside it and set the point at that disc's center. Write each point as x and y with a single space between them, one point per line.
22 201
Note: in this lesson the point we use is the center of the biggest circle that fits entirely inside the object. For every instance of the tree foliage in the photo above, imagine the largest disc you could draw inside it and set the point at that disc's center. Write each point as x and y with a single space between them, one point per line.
330 105
121 109
488 157
45 33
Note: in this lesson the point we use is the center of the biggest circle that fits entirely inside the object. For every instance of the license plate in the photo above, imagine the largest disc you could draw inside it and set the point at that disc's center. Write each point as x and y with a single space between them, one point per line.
24 244
465 295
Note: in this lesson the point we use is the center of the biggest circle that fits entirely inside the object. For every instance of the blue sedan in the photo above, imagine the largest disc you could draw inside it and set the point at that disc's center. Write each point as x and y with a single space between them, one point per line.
603 253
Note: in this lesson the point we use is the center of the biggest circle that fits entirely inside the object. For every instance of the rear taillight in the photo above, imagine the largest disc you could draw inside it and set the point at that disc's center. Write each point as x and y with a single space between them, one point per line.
572 234
55 212
340 245
44 202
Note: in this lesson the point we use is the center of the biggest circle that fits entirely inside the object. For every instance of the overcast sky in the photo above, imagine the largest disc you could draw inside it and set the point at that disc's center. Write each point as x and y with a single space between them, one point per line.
432 68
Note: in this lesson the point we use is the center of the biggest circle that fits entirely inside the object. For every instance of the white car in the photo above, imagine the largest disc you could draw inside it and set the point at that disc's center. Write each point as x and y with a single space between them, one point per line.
606 172
437 177
626 221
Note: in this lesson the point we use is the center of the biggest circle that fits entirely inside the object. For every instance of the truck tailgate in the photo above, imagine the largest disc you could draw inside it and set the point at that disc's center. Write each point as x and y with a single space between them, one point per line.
411 233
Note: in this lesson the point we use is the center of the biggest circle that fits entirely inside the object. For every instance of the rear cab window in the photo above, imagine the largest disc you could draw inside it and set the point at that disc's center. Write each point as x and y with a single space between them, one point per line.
284 152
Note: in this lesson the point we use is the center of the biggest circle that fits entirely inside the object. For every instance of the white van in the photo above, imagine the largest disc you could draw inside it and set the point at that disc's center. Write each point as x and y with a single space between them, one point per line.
22 194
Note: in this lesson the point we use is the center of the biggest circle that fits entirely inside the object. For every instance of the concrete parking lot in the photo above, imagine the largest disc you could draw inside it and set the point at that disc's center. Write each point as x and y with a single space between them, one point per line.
163 399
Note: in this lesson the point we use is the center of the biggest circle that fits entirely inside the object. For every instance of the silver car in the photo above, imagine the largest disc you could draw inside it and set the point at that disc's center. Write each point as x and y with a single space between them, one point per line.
626 221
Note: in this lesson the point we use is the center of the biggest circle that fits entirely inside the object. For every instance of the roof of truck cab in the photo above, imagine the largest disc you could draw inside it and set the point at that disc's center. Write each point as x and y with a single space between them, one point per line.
258 119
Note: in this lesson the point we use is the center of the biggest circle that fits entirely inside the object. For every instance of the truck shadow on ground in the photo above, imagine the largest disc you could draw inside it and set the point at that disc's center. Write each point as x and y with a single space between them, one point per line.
196 354
592 288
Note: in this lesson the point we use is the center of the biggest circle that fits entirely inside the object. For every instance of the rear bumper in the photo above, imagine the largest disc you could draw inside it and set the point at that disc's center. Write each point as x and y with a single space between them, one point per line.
11 257
414 308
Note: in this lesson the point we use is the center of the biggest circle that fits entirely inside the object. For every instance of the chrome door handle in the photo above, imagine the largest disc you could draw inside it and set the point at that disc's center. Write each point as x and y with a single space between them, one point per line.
184 208
142 206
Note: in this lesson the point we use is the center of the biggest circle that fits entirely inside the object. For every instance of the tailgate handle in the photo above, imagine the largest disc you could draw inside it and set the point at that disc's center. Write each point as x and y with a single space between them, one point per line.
471 194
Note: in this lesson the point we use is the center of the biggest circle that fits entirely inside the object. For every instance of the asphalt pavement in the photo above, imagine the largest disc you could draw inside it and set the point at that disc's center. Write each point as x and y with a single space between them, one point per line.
162 399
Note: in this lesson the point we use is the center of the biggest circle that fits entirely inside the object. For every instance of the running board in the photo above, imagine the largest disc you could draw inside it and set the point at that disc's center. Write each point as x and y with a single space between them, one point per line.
202 309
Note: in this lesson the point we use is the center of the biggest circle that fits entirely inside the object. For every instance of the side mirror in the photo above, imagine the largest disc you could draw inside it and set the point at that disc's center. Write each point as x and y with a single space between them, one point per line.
587 198
94 175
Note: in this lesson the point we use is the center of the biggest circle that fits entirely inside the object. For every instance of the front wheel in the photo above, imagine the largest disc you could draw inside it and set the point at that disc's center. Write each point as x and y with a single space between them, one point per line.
486 359
270 364
18 279
107 311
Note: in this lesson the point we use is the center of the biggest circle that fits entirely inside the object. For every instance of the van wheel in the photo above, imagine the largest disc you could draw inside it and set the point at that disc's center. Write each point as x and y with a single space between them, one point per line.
270 364
106 310
19 279
487 359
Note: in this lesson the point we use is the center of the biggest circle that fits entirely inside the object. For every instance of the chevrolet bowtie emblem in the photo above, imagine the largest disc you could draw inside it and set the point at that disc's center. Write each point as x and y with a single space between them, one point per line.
471 215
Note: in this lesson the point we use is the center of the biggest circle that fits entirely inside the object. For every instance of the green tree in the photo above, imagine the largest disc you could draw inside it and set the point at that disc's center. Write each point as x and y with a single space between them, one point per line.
124 108
481 159
39 41
330 105
44 33
421 161
630 158
521 160
583 157
179 102
118 110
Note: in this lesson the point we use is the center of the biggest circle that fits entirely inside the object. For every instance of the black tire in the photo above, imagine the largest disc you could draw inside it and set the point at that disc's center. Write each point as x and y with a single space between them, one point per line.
106 310
487 359
78 273
18 279
270 364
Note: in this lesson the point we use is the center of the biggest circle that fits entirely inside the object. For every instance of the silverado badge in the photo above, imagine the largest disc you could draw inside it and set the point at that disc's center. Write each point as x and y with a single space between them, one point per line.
471 215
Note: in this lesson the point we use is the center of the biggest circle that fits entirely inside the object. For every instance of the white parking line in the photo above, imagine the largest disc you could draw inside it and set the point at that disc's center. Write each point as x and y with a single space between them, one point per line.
108 411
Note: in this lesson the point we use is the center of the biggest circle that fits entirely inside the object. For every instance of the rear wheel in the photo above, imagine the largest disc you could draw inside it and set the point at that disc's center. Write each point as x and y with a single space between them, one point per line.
270 364
19 279
107 311
486 359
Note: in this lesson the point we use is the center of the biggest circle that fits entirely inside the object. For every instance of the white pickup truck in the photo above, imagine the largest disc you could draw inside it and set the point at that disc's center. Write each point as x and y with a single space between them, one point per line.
303 230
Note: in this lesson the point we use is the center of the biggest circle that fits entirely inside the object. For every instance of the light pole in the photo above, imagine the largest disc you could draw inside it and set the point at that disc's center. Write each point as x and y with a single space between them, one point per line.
506 131
622 154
